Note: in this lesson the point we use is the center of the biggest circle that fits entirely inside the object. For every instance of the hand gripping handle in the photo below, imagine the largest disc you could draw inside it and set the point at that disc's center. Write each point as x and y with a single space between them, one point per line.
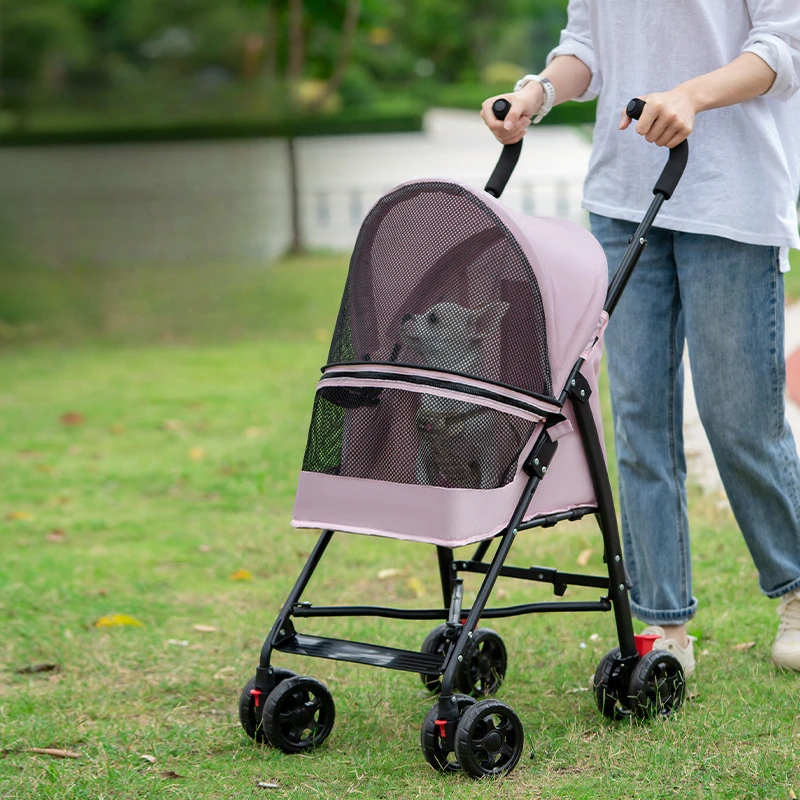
678 156
509 156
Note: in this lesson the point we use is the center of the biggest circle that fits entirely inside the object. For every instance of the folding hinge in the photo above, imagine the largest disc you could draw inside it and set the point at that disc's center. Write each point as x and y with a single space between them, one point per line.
539 458
579 388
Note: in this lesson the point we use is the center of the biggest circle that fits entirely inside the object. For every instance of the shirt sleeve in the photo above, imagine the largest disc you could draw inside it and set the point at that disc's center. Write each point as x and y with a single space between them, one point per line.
775 37
576 40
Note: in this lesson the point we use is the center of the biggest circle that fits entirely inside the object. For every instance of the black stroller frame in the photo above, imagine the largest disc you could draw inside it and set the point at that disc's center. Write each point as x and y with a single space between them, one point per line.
458 659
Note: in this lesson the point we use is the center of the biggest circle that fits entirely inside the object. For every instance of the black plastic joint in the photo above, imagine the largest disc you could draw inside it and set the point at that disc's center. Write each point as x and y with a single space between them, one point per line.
265 679
542 454
284 633
579 388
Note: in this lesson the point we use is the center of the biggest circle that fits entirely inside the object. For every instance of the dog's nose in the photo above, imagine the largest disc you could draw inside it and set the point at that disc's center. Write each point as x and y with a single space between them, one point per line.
407 317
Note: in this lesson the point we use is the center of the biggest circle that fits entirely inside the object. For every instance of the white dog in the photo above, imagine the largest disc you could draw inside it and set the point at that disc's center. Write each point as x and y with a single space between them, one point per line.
460 444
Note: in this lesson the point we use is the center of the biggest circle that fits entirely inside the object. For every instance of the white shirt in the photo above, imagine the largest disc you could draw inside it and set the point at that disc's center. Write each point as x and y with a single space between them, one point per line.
743 175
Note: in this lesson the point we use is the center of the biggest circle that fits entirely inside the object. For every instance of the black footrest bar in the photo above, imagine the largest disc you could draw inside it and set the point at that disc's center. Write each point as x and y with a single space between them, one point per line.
360 653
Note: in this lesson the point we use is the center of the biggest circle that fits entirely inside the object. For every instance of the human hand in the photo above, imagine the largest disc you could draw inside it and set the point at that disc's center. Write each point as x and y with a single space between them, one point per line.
524 106
667 119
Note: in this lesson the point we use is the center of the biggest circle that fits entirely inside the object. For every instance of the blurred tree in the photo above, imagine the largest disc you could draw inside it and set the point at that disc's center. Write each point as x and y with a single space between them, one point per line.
36 36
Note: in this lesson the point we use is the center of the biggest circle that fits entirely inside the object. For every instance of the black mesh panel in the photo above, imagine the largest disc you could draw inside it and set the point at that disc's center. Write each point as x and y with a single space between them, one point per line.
429 244
409 437
437 281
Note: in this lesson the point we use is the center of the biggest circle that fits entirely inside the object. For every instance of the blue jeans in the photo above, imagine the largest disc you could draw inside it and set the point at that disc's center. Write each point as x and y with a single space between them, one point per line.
724 299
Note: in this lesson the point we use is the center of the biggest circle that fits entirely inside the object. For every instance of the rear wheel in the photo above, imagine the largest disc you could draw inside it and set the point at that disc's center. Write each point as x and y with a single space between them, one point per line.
657 685
606 697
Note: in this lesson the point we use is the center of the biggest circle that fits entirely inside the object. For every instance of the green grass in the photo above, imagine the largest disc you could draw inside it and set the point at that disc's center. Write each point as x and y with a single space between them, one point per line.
187 400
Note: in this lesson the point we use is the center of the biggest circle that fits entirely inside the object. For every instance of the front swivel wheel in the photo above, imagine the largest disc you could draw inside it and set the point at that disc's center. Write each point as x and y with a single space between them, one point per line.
484 666
432 739
298 715
251 705
489 739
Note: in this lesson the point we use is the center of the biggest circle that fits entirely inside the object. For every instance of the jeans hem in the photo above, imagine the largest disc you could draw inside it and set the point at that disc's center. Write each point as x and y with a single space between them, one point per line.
792 586
678 617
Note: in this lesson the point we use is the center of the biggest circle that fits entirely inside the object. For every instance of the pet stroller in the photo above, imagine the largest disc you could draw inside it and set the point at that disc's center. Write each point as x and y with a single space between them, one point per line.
459 406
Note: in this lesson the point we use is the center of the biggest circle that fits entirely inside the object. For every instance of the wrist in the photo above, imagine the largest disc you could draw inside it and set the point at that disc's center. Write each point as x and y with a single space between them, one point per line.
533 95
694 96
548 96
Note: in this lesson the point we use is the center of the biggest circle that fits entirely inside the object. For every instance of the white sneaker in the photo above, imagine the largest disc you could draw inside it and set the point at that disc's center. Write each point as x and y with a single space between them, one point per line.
684 654
786 650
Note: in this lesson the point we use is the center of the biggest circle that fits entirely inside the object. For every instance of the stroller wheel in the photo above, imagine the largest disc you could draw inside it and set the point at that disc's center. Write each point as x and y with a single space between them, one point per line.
482 671
607 698
298 715
433 748
489 739
251 708
657 685
435 642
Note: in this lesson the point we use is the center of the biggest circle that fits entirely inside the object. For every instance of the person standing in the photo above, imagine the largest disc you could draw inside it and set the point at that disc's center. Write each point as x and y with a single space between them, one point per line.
710 278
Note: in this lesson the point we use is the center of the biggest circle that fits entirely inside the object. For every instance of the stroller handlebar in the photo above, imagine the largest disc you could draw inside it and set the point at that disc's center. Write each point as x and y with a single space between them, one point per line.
665 185
678 156
509 156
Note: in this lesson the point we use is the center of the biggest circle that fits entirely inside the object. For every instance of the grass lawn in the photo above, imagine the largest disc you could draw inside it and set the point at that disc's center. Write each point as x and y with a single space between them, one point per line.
151 431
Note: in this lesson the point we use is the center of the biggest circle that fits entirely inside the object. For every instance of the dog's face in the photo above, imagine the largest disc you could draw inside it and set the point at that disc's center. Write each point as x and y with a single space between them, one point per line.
449 336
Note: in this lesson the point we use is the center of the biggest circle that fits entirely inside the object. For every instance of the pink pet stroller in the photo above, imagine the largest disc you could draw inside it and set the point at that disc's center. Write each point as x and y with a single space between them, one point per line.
459 406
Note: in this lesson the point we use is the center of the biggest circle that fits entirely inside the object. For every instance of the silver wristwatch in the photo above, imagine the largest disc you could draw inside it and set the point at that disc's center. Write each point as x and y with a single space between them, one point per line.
549 94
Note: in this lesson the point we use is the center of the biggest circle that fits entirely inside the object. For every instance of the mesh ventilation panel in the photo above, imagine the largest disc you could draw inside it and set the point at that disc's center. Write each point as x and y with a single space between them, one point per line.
403 436
435 247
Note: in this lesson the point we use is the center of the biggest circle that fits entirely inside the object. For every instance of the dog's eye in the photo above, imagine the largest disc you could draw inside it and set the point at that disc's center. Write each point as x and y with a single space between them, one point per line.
433 318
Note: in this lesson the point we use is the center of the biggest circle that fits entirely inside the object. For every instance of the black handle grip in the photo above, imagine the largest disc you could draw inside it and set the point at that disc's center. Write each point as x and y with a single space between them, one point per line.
509 156
678 156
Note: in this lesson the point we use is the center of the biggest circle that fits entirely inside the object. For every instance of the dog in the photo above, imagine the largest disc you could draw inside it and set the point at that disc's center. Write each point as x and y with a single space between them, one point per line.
460 444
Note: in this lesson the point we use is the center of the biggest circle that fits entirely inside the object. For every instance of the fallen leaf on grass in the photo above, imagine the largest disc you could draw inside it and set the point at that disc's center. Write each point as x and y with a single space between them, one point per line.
171 775
197 454
19 515
743 646
56 535
205 628
584 556
35 668
72 418
416 586
151 759
385 574
52 751
242 575
117 619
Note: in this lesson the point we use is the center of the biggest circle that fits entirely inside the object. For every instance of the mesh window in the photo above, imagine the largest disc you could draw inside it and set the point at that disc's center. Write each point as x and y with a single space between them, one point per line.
434 251
401 436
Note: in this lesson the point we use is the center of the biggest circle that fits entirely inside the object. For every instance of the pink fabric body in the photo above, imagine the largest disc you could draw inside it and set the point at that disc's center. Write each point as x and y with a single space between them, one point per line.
571 271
